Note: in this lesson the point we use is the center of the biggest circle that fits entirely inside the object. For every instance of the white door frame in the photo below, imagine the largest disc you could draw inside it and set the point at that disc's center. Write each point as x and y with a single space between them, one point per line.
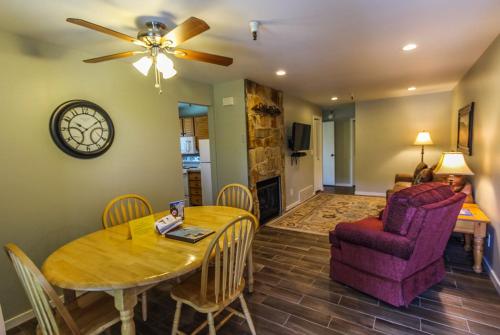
332 154
318 153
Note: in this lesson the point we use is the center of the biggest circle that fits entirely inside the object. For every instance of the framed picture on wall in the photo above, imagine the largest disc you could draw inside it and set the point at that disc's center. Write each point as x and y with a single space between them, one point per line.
465 126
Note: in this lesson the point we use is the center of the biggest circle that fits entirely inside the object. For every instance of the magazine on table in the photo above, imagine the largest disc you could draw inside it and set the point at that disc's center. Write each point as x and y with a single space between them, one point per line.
189 234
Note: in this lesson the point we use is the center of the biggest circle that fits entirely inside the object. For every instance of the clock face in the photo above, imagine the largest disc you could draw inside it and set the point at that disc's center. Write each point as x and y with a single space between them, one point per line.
81 129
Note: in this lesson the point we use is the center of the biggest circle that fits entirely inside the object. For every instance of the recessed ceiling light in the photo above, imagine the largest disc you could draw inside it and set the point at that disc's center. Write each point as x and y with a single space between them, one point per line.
409 47
335 98
412 88
280 72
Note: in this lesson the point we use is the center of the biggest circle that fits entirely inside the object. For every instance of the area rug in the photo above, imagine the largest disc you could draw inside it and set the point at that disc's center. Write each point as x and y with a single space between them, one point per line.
323 212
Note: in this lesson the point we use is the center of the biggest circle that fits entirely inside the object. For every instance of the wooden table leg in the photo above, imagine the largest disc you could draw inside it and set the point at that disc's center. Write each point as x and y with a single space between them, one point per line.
478 254
468 242
250 270
125 301
69 296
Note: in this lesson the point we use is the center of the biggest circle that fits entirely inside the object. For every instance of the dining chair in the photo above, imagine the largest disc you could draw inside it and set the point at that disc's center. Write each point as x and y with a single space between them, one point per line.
239 196
220 281
2 322
123 209
235 195
91 313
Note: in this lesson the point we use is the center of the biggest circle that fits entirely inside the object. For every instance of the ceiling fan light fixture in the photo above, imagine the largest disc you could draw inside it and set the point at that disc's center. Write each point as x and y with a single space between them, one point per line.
164 64
169 74
143 65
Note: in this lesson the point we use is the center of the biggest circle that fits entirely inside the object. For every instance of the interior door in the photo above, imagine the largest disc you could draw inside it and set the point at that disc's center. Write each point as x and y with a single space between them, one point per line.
329 153
318 153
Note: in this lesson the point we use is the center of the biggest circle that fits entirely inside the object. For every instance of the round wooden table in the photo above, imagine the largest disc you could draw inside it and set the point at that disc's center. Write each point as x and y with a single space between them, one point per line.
109 260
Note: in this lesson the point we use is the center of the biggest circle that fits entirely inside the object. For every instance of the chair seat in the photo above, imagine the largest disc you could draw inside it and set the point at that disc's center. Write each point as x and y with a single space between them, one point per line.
188 292
93 313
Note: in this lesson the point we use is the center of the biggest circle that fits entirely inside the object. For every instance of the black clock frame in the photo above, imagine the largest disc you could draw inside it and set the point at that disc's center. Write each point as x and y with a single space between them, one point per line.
55 132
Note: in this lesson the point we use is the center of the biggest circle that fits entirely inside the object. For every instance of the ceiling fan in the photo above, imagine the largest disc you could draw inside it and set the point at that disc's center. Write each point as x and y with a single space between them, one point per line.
158 41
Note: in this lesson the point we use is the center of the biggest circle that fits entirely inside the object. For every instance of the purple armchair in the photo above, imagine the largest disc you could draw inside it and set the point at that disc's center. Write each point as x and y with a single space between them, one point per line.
399 256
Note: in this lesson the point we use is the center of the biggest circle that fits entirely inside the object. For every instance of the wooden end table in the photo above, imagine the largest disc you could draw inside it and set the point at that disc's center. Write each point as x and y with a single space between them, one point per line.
473 226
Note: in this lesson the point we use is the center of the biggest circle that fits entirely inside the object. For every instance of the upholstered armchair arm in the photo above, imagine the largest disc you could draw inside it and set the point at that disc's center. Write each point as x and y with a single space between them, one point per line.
379 240
405 177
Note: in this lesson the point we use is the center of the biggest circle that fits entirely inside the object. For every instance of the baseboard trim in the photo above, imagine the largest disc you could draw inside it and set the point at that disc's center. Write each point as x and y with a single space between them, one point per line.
19 319
344 185
493 275
292 205
370 194
28 315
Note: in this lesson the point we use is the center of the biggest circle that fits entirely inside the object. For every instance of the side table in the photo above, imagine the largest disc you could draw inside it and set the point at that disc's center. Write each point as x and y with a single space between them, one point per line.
473 225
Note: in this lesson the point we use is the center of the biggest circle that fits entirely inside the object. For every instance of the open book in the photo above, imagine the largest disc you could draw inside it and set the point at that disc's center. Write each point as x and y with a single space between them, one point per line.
167 223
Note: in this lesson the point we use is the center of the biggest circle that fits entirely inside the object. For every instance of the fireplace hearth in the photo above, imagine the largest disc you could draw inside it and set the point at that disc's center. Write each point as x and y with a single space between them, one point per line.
269 195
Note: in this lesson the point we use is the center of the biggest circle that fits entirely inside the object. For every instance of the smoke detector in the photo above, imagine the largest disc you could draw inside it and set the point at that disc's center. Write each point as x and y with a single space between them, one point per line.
254 27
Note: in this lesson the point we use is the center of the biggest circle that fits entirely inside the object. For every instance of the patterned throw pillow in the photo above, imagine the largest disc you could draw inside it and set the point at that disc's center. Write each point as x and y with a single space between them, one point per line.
425 176
419 168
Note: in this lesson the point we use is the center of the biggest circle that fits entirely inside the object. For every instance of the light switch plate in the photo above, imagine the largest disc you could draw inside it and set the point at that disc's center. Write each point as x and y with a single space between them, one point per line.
228 101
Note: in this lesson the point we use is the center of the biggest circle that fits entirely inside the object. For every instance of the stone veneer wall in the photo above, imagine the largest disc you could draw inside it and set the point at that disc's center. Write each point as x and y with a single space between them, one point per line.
266 139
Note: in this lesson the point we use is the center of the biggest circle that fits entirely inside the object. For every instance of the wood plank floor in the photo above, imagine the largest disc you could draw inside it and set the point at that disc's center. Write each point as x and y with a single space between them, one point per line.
294 295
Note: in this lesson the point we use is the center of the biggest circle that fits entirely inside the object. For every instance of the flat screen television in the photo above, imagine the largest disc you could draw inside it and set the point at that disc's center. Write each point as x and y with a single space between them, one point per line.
301 136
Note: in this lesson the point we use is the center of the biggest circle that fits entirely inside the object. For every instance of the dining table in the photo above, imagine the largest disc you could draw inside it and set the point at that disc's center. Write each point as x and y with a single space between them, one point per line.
110 261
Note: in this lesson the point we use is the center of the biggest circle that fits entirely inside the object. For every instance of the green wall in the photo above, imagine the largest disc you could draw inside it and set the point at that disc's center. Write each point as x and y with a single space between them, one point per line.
481 85
231 133
49 198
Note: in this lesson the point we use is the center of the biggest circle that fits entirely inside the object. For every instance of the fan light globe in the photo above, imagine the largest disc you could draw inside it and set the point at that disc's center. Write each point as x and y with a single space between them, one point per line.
169 73
164 64
143 65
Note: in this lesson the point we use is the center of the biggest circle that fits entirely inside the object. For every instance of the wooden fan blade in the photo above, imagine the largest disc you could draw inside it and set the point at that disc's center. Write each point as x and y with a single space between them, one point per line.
113 56
184 31
203 57
105 30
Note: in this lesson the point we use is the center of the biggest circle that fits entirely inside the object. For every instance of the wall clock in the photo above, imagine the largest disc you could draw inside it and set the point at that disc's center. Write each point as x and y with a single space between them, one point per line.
81 129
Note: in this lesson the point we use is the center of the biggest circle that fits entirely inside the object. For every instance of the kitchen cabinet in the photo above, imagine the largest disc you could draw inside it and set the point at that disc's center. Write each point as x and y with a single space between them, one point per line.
187 126
201 127
195 126
194 182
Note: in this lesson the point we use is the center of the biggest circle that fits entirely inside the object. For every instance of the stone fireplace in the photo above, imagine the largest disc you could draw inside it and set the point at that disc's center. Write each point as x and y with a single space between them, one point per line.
266 146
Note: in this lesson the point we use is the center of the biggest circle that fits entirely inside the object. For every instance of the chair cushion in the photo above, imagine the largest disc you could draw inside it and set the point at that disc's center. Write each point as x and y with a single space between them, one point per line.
403 205
369 233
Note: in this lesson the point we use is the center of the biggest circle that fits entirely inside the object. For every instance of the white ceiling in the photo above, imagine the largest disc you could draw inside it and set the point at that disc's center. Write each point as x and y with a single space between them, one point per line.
328 47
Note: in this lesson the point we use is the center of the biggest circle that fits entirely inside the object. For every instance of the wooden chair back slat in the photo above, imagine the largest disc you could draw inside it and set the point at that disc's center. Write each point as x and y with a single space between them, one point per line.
235 195
2 322
40 293
125 208
235 240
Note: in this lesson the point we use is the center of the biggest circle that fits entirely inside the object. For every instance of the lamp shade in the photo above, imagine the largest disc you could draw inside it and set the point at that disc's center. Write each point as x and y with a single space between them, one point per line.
453 163
423 138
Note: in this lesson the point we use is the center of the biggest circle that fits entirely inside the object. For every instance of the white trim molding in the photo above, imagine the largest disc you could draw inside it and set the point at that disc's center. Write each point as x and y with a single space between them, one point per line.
292 205
19 319
492 274
344 184
370 194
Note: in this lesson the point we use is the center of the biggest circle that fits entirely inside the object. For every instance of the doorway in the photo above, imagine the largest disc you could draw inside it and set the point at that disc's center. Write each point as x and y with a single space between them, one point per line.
318 153
329 153
196 154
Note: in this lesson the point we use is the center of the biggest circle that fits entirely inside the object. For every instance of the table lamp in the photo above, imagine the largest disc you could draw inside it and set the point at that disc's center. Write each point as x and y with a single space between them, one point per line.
452 164
423 138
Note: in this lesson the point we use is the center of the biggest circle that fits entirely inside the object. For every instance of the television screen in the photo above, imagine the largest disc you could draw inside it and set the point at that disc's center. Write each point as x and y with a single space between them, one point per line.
301 135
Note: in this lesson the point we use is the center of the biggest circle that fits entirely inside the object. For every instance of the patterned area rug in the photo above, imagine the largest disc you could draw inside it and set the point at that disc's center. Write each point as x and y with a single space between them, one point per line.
323 212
